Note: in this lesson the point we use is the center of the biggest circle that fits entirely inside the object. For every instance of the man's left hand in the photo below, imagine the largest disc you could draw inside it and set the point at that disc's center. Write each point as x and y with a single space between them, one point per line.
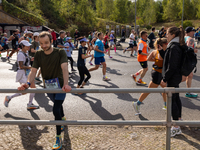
66 88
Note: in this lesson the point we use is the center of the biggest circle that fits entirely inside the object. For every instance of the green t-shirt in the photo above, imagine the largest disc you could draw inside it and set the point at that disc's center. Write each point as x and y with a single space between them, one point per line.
51 64
35 46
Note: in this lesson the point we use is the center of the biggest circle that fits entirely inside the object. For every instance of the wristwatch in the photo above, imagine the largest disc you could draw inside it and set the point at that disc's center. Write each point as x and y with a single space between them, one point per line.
29 84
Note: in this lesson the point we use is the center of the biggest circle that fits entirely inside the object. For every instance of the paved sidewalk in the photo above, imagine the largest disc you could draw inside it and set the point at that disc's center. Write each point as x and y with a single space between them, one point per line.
96 138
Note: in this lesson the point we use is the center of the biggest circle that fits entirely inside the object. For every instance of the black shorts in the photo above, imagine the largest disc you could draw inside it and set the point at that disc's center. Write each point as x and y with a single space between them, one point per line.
106 46
156 77
5 47
131 45
15 47
144 64
135 44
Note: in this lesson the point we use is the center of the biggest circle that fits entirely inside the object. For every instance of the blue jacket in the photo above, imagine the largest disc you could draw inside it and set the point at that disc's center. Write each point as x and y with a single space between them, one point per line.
70 49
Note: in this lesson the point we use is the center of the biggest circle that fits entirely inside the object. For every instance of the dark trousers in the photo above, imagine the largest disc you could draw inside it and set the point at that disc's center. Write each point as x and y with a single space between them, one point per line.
71 61
82 71
176 104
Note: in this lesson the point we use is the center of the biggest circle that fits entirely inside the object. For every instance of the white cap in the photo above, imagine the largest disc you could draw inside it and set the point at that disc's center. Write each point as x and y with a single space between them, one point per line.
29 32
112 31
25 42
36 34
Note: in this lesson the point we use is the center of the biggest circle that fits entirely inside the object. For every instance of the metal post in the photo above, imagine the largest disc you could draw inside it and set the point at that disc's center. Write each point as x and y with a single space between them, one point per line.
135 16
168 120
182 14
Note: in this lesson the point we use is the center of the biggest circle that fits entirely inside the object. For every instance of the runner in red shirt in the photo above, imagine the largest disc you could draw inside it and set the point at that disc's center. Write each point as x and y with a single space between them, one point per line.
105 42
54 37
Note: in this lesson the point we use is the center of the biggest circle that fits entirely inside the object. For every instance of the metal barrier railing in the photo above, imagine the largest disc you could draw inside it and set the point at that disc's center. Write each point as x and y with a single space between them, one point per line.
168 122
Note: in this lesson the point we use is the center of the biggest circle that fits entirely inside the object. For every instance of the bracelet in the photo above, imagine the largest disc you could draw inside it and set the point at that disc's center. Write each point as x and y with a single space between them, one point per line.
29 84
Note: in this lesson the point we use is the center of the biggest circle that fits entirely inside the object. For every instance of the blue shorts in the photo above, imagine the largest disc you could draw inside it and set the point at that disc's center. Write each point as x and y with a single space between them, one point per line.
98 60
56 96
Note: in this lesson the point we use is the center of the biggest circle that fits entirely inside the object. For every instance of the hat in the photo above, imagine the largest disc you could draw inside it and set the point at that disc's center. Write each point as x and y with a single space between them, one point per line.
36 34
68 38
112 31
84 40
25 42
29 32
189 29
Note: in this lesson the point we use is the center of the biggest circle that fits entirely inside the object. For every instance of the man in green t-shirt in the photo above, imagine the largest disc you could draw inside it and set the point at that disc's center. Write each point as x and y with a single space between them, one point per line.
54 69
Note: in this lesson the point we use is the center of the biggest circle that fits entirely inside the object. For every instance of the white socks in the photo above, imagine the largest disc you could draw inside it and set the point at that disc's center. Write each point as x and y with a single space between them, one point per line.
15 95
31 98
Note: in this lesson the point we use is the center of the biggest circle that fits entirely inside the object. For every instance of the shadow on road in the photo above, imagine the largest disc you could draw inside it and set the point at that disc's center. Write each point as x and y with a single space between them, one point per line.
186 102
43 101
192 133
142 117
112 71
96 106
195 77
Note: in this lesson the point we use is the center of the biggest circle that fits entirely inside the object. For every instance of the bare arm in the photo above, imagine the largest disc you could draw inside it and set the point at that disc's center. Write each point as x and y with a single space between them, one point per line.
85 56
32 75
151 56
21 65
98 50
64 67
61 46
11 38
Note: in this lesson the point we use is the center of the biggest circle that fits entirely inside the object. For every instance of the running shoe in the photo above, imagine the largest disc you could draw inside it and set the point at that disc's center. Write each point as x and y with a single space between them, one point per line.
137 108
135 54
8 58
164 107
6 101
38 79
90 63
32 106
58 143
110 56
131 55
124 50
63 127
73 69
134 77
191 95
106 79
175 131
140 82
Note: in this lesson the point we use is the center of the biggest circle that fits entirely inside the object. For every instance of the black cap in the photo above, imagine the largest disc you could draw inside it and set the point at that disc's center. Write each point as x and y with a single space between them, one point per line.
189 29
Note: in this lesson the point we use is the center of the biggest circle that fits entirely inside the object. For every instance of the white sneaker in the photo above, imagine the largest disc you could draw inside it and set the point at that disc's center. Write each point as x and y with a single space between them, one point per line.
175 131
32 106
6 101
106 79
137 108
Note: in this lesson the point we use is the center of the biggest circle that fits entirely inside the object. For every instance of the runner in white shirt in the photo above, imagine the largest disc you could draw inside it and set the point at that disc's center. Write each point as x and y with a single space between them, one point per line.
131 43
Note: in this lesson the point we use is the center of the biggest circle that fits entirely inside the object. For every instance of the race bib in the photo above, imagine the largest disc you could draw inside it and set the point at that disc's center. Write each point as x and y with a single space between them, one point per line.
52 84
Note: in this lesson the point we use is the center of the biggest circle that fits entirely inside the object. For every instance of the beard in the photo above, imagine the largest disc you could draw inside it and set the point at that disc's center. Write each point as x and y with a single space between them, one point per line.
47 48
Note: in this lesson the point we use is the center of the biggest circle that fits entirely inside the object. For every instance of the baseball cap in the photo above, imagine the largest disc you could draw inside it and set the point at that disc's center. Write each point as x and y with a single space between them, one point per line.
25 42
68 38
84 40
189 29
36 34
29 32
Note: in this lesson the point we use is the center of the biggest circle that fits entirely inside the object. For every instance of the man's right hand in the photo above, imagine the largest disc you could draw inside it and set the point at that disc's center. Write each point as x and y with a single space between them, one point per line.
23 87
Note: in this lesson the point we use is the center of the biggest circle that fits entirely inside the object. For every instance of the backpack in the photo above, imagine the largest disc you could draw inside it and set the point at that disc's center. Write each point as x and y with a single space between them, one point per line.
189 60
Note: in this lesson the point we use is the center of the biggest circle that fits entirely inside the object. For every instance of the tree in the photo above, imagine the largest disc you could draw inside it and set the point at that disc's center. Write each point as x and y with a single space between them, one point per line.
121 11
171 10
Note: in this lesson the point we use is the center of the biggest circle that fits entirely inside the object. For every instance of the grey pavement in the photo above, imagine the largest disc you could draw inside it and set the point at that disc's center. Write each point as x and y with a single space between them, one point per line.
96 106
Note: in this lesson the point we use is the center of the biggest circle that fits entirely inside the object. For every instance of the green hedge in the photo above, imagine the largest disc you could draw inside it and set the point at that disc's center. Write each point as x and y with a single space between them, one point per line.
23 15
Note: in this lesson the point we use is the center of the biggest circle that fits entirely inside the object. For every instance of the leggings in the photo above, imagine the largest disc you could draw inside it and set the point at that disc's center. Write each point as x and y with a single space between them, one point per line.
82 71
71 61
58 113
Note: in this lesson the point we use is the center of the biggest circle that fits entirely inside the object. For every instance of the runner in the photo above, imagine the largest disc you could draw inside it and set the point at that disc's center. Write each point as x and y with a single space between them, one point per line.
82 55
131 43
34 46
152 38
14 38
24 37
23 71
30 36
60 41
76 36
156 73
99 56
189 39
93 45
142 58
54 68
172 71
69 48
4 44
90 37
112 43
106 41
53 34
135 47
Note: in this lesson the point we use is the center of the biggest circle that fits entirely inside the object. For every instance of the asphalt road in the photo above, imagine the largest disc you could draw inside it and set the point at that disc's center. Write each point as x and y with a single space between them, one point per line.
96 106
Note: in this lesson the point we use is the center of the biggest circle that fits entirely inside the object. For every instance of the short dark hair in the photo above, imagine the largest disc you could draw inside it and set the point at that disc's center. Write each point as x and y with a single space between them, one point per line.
61 32
143 33
153 28
99 33
44 33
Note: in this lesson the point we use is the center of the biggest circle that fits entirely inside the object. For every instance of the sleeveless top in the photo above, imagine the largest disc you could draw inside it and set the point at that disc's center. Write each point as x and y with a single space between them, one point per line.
158 62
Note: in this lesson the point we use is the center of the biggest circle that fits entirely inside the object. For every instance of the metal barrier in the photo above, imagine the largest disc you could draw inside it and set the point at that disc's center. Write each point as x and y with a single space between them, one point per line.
168 122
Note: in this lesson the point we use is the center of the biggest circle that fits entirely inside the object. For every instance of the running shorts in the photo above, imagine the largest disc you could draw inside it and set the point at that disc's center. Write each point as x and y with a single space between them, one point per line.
21 76
98 60
112 43
5 47
131 45
106 46
14 47
144 64
156 77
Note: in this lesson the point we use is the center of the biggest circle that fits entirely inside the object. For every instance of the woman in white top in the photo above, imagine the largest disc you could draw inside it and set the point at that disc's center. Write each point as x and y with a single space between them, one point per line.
23 71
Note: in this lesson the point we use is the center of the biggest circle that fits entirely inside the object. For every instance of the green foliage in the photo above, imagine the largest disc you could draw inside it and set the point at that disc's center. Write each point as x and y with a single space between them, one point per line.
187 23
21 14
171 10
149 27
